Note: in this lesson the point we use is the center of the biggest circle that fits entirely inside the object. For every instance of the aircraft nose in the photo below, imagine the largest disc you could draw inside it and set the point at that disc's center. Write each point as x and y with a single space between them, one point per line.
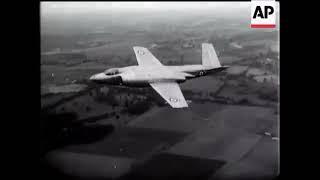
97 77
105 79
91 77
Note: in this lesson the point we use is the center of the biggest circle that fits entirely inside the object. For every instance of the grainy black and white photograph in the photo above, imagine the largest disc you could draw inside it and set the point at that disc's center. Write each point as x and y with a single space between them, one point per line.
158 90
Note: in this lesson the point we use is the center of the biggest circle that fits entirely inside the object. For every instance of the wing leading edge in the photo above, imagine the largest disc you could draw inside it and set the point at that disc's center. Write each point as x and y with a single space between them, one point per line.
171 92
145 57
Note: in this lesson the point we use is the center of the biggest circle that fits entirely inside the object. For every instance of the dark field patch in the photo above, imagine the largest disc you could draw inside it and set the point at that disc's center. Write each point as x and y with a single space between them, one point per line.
130 142
169 166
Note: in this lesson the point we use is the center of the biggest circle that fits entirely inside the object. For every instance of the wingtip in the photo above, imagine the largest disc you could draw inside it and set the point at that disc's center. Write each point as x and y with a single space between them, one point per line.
138 47
181 106
206 44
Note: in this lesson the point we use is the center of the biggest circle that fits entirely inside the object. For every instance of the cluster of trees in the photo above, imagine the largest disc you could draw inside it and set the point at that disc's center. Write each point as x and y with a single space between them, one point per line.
271 95
108 98
133 103
139 107
62 58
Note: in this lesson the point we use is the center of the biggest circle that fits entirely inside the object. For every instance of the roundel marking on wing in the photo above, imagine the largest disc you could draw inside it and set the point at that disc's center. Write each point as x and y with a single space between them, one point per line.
140 52
173 99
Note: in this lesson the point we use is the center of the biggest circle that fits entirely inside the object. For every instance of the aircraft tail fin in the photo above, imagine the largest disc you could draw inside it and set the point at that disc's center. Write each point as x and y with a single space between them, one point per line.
209 56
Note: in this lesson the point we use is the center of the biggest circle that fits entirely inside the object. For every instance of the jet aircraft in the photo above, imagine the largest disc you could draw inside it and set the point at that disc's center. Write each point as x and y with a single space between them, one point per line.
163 79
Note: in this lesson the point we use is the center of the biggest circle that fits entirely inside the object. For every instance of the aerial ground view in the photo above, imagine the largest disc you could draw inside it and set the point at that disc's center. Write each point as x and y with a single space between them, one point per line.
93 131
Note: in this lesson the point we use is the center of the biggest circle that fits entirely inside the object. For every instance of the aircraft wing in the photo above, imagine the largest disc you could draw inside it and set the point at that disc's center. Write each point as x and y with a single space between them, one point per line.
171 92
145 58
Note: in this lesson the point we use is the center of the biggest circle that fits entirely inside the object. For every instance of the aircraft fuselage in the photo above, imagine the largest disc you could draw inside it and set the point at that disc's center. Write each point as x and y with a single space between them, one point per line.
142 76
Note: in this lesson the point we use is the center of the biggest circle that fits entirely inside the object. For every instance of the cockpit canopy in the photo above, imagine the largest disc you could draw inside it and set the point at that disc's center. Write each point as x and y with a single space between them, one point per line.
112 71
